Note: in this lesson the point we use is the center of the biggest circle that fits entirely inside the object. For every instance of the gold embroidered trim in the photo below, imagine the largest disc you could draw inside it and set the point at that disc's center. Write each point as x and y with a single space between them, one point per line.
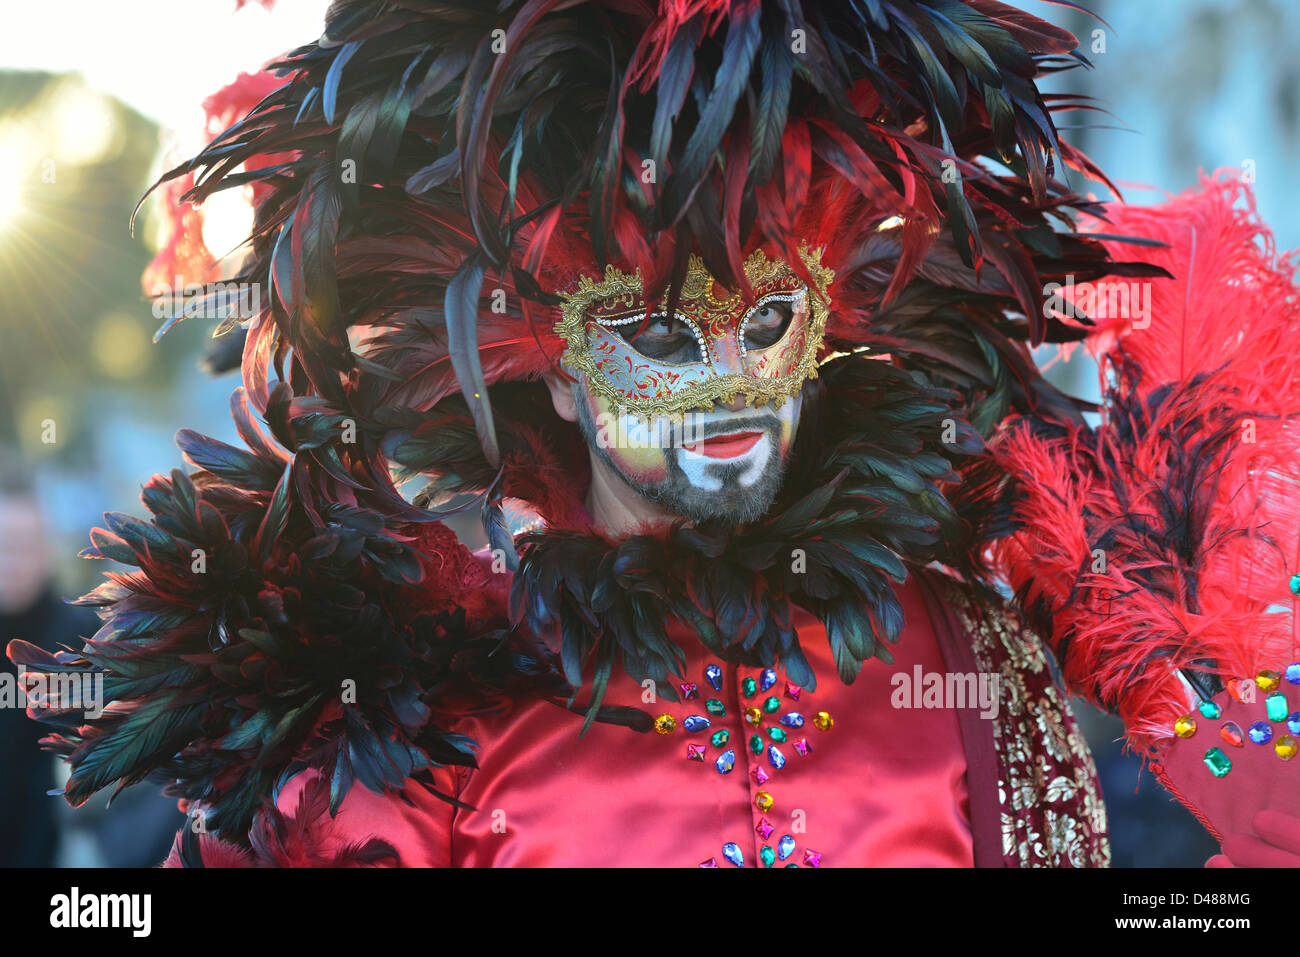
1044 763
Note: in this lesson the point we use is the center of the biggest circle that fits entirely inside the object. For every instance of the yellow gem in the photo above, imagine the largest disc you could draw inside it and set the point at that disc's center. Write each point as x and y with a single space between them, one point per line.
754 716
1267 680
822 721
665 723
1286 747
1185 726
763 801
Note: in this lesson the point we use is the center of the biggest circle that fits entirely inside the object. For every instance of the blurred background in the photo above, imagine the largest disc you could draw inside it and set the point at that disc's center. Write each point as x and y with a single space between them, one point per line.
97 99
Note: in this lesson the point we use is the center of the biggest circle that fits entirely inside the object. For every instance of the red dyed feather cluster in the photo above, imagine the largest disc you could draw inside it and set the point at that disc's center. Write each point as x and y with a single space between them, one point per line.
1164 540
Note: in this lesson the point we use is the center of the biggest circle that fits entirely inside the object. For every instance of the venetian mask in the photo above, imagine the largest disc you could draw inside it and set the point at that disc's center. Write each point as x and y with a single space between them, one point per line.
716 347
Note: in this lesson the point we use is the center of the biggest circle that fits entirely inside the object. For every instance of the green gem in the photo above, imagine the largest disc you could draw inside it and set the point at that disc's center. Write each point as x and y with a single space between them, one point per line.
1276 705
714 706
792 865
1217 762
756 744
1210 709
776 734
772 705
720 738
1295 584
750 687
767 855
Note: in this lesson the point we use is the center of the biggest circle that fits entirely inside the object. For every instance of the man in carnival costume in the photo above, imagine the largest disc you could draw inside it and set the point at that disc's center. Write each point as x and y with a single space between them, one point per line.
721 311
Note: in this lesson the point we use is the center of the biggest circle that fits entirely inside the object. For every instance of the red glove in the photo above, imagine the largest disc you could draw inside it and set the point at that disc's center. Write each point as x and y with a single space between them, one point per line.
1277 843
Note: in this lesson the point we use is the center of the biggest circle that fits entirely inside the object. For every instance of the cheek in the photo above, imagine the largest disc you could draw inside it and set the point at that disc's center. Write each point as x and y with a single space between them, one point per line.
631 446
789 416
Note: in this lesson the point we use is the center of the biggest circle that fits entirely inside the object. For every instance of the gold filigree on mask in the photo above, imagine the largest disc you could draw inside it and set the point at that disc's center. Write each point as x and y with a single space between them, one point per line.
647 386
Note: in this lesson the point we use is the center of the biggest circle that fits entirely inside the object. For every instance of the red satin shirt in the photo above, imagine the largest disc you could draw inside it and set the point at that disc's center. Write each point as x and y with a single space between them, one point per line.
884 786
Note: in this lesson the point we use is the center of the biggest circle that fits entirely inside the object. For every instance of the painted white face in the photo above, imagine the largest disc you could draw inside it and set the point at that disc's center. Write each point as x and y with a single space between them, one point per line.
722 463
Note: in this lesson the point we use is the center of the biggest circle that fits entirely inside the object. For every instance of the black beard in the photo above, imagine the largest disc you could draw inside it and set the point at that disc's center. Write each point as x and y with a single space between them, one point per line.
732 502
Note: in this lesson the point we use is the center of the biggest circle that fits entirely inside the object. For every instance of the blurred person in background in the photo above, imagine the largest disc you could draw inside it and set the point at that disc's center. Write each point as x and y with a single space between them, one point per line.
30 608
36 829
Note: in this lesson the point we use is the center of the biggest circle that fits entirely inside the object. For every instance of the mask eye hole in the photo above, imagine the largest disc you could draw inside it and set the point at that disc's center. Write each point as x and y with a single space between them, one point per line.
662 337
768 323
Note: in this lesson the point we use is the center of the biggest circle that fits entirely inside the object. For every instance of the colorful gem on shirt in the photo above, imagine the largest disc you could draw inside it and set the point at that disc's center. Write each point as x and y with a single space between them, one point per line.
1276 706
776 734
822 721
803 747
768 679
720 738
772 705
767 855
753 716
792 691
665 723
715 707
1267 680
1260 732
1232 734
711 862
1210 710
812 859
755 744
1217 762
759 775
1293 722
690 691
792 720
696 723
785 846
775 757
1295 584
732 853
749 687
726 761
713 674
1238 689
1184 727
1286 747
695 752
764 829
1293 672
764 801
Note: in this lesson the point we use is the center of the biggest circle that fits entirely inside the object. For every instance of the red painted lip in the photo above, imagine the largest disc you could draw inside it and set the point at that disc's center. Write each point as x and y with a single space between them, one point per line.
725 446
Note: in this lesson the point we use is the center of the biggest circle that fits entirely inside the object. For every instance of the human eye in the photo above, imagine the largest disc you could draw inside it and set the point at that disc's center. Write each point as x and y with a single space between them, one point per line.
768 323
664 338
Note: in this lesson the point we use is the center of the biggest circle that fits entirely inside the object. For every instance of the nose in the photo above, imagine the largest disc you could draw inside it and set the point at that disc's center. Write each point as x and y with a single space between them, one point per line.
735 405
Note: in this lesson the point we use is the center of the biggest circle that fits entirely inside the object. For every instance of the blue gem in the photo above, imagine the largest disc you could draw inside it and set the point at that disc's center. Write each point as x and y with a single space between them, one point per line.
713 674
1293 722
696 722
1260 732
766 679
792 720
1293 673
1295 584
726 761
775 757
732 853
785 847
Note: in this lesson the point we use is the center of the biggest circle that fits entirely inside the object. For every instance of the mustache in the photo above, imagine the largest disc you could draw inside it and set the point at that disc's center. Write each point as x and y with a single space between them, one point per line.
699 431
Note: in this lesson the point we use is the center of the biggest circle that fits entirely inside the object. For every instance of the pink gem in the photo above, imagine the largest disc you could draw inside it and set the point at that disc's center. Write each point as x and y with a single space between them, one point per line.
759 776
689 691
695 752
792 691
765 829
711 862
802 746
812 859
